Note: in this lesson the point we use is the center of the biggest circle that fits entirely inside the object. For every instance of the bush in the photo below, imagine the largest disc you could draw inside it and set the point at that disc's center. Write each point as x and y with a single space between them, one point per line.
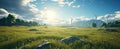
33 29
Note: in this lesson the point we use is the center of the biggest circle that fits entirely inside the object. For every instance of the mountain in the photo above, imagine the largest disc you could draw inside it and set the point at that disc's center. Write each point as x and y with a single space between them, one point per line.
87 23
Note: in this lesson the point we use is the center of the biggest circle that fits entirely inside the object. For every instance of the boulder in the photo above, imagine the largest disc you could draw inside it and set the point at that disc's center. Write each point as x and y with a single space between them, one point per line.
23 47
70 39
43 45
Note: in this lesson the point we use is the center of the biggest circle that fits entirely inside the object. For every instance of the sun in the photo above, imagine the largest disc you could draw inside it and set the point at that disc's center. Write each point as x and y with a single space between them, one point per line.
50 16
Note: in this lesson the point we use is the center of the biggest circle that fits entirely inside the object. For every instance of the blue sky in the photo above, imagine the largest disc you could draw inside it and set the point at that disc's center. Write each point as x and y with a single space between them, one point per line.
60 11
88 8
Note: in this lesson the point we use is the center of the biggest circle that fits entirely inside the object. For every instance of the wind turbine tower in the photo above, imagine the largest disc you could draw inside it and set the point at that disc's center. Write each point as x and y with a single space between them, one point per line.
71 21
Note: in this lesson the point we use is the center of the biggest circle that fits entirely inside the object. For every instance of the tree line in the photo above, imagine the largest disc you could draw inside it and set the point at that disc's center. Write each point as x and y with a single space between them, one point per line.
109 24
112 24
10 20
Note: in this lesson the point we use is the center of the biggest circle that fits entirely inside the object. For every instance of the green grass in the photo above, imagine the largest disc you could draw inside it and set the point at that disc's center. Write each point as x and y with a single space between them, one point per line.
15 37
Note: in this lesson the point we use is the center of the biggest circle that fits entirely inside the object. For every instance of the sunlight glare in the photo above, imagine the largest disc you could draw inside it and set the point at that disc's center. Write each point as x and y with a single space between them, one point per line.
51 16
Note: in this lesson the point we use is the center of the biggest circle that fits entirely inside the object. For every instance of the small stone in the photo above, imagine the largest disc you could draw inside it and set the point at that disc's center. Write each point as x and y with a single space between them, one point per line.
70 39
43 45
23 47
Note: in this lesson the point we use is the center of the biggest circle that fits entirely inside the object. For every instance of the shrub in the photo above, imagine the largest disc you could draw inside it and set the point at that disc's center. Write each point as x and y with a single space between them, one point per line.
33 29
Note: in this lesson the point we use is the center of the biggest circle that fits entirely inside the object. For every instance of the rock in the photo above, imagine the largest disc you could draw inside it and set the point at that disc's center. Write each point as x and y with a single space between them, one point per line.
70 39
43 45
83 42
23 47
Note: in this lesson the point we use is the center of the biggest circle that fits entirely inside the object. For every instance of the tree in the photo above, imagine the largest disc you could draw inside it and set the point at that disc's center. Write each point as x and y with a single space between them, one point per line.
19 22
104 25
94 25
3 21
117 22
10 20
114 23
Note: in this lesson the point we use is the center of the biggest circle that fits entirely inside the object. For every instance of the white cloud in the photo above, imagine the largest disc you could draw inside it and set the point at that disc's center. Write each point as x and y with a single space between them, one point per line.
60 2
20 8
17 15
64 2
42 2
3 12
25 2
78 6
55 0
114 16
45 7
48 16
82 18
100 17
69 3
33 8
117 14
76 19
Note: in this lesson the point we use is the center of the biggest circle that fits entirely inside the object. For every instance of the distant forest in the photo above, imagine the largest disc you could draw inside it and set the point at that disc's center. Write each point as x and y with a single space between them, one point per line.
112 24
10 20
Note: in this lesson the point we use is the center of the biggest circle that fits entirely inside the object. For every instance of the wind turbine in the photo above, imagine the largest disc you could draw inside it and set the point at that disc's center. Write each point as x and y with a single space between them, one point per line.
71 21
95 17
95 20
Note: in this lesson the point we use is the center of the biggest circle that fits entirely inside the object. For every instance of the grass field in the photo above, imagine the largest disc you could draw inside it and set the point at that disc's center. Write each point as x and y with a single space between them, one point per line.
14 37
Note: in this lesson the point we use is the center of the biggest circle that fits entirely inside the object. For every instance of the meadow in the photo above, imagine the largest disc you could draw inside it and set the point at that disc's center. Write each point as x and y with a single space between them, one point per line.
14 37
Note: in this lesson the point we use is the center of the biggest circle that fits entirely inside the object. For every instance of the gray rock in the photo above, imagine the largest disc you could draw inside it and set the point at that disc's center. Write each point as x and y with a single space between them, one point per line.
43 45
23 47
70 39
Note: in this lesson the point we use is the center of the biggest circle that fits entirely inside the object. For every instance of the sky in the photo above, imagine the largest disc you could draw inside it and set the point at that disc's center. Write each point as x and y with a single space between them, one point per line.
60 11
